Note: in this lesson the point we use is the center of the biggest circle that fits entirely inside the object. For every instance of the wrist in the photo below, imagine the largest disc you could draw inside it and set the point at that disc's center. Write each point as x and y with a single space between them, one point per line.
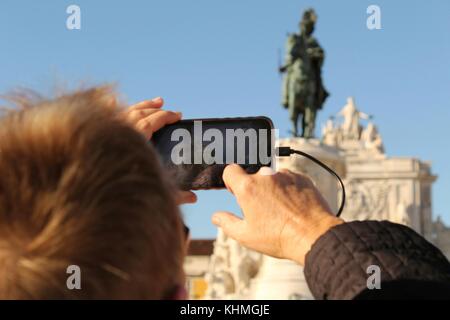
311 232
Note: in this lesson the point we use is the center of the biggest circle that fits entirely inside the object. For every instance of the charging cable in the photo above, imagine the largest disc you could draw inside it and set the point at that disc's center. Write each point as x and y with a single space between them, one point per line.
286 152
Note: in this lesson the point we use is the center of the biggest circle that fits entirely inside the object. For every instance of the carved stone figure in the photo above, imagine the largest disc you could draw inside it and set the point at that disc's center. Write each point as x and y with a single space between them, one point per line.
351 129
367 199
329 133
372 139
231 269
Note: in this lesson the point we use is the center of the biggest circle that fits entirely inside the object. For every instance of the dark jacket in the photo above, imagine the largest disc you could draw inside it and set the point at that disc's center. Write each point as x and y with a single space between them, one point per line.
411 267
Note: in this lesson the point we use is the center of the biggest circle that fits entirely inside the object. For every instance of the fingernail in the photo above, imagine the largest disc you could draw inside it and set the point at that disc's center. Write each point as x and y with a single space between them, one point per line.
266 171
179 114
216 220
157 99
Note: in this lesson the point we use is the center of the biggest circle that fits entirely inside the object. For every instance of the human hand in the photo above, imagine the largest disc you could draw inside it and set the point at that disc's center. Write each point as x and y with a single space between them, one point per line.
284 213
147 117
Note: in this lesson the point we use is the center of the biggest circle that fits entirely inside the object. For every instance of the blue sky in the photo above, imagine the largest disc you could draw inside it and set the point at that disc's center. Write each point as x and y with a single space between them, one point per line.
211 58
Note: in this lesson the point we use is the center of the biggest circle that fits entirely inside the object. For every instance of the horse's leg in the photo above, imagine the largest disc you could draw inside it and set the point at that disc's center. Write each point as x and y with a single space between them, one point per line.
293 115
296 124
304 124
293 111
301 112
309 120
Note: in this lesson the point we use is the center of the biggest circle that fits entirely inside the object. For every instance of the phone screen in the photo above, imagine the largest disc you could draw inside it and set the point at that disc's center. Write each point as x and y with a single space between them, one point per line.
196 151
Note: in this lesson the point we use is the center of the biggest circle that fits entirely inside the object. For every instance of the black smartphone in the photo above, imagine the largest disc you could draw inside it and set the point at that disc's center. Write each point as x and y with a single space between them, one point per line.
196 151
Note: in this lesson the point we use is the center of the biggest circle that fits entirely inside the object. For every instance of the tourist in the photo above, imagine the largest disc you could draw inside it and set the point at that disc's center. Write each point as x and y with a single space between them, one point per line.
81 189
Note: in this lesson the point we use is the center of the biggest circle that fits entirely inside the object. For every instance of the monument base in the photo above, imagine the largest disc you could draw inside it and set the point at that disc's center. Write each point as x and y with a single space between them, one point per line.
279 279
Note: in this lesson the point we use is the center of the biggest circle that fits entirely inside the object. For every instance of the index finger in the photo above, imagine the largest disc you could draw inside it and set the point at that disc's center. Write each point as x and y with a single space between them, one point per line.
156 121
155 103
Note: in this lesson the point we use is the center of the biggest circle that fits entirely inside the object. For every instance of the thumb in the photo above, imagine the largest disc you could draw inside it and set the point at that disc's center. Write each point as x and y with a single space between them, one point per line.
233 175
231 225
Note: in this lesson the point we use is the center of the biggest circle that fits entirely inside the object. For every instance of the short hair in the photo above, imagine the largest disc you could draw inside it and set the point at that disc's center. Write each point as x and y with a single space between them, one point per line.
79 186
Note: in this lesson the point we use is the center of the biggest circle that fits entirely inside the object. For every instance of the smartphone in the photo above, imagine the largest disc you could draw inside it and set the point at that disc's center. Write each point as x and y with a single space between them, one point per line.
196 151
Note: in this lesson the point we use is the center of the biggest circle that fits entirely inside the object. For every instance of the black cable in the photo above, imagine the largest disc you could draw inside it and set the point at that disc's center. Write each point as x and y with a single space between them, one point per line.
286 152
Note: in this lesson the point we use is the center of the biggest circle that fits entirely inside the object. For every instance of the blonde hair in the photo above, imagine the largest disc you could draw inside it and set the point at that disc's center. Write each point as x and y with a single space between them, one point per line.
80 187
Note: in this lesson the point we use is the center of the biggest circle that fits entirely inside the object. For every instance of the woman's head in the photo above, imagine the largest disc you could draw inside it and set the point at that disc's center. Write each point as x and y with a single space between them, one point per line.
78 186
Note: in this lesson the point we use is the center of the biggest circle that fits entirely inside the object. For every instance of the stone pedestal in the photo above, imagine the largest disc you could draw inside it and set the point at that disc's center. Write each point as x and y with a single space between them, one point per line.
279 279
